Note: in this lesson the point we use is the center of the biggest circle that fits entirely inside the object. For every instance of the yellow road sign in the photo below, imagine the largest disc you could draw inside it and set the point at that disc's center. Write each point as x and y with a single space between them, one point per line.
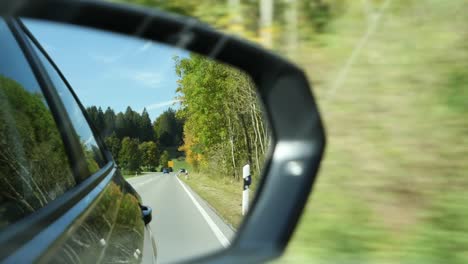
170 163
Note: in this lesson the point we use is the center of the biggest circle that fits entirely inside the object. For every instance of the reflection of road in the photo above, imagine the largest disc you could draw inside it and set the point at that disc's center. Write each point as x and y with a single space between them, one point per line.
183 224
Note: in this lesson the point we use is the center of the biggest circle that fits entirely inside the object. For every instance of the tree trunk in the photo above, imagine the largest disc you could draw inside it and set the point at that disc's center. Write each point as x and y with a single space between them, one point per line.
235 14
291 27
247 138
266 22
231 141
257 136
262 140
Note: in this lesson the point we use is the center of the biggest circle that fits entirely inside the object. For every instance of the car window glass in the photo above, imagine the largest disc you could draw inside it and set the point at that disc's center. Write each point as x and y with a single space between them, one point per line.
94 157
34 168
18 68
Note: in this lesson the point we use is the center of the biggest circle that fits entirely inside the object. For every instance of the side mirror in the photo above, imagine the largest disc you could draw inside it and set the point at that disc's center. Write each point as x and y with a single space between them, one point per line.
147 213
294 145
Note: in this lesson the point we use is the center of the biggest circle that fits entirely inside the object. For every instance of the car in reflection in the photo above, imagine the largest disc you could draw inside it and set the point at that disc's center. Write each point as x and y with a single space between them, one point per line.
62 197
165 171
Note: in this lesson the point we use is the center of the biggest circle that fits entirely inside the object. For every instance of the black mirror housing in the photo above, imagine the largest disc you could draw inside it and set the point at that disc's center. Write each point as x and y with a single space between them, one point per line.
298 139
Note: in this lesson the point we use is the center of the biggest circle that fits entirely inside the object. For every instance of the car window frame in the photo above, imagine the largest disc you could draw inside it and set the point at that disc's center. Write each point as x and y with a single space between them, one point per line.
100 143
19 234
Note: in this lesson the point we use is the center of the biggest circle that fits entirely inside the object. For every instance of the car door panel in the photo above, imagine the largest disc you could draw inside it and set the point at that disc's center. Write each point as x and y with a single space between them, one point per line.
111 230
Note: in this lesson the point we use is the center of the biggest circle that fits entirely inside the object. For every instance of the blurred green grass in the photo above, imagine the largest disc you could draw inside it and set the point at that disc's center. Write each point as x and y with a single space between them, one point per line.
224 196
391 186
180 163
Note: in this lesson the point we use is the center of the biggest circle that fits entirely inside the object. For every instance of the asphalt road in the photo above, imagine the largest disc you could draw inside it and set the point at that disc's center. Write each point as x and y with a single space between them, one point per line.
184 225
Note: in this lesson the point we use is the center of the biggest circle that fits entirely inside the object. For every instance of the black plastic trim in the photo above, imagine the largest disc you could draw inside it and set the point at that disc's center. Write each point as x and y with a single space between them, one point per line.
19 233
72 207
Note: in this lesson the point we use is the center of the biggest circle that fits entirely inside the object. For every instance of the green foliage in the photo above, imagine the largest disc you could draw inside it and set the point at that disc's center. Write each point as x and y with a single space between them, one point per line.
441 238
109 122
90 156
397 136
318 13
149 155
164 159
168 129
113 144
34 167
203 97
180 163
128 124
224 127
97 117
145 129
129 155
457 90
131 127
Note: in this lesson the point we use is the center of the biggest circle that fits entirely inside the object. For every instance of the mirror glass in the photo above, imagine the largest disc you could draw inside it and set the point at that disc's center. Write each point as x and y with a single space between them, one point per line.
185 130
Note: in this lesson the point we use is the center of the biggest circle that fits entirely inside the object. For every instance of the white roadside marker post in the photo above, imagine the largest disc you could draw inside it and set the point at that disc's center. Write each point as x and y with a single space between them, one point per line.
245 193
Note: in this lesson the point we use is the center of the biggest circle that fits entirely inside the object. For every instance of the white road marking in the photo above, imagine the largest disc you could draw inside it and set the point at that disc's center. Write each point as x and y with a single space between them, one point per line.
138 184
219 235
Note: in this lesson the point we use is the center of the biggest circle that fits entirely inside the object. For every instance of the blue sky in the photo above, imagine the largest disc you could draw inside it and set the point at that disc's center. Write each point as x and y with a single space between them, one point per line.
107 69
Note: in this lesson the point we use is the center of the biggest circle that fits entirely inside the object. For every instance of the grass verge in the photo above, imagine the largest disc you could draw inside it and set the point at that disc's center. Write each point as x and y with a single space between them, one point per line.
224 196
179 164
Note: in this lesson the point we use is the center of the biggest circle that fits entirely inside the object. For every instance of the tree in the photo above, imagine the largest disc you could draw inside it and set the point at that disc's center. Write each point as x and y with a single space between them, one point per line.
120 125
109 122
192 153
113 144
266 22
131 122
168 129
164 158
291 18
129 155
149 155
96 117
223 124
101 125
145 128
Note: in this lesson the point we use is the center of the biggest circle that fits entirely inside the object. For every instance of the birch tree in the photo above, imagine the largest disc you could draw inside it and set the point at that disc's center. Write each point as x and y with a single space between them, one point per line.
266 22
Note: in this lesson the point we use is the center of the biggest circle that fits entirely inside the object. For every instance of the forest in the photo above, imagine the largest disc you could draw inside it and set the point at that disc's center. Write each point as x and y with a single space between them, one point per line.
136 142
218 128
